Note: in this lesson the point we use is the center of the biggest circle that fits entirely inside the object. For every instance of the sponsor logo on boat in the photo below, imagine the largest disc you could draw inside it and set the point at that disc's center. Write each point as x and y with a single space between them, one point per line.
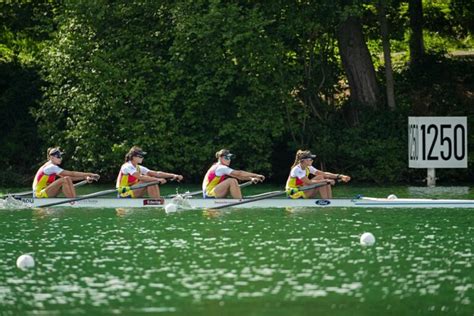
86 201
222 202
322 202
154 202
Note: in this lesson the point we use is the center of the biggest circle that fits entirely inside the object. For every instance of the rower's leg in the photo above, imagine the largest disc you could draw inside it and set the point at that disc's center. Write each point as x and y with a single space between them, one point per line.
139 192
53 189
235 189
153 191
310 193
229 185
68 187
325 191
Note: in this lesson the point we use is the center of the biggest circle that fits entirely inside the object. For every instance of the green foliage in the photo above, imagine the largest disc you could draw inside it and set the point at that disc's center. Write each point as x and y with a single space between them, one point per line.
171 80
185 78
375 150
19 86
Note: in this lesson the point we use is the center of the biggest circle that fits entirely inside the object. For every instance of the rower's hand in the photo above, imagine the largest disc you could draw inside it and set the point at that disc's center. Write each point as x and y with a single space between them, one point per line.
161 180
91 177
345 178
177 177
330 181
257 179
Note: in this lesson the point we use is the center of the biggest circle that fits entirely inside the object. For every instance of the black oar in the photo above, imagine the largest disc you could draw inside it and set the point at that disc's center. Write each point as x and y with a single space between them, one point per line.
269 195
78 184
243 185
100 193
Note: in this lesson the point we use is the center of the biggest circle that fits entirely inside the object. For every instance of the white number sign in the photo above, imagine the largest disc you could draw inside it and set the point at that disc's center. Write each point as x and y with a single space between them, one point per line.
437 142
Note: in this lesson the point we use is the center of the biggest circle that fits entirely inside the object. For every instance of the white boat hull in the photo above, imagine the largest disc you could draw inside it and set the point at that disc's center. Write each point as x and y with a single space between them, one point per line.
200 203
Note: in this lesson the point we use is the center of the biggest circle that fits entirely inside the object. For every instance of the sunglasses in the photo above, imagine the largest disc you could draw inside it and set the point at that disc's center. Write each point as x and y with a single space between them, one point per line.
139 156
227 157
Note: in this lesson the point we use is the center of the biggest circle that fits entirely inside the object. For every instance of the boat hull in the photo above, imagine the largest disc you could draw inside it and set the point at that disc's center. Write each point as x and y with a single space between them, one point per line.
200 203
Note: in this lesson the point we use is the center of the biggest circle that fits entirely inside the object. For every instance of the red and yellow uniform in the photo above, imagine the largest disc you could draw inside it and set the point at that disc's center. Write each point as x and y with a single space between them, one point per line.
294 181
126 179
45 176
215 175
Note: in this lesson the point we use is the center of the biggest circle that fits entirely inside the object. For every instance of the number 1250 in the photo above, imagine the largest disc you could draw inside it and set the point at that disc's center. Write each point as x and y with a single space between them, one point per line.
450 146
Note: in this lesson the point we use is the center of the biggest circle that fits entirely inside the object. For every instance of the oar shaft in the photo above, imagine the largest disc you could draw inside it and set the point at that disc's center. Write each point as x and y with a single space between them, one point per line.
96 194
78 184
269 195
243 185
249 200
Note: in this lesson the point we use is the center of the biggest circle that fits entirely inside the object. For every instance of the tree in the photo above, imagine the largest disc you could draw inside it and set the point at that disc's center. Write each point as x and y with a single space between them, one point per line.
357 64
389 82
23 28
182 79
417 47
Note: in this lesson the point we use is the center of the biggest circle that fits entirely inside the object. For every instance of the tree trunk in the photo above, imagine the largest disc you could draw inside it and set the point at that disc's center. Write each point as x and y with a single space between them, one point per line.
386 55
357 63
417 47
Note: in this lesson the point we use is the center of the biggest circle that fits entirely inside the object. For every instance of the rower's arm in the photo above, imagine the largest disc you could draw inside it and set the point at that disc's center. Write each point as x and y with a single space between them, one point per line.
165 175
145 177
245 175
77 176
329 175
307 181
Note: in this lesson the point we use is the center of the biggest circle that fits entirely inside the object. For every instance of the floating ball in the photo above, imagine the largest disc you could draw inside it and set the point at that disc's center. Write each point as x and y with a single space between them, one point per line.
392 197
25 262
367 239
171 208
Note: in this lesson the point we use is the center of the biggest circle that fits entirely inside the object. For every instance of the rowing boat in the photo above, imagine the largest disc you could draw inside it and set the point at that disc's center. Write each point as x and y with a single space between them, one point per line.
199 203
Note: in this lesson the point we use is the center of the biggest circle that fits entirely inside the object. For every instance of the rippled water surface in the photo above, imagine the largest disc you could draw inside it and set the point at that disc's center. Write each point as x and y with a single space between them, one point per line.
240 262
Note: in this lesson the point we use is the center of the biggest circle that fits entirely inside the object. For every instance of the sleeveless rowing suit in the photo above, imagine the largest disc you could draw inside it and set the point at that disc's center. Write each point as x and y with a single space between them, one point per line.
45 176
294 180
126 179
215 175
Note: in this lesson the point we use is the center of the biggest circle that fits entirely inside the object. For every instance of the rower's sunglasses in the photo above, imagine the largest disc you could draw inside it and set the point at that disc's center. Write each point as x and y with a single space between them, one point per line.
227 157
57 156
139 156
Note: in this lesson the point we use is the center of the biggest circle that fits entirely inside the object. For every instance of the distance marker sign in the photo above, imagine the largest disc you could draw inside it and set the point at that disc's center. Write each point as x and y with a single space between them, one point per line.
437 142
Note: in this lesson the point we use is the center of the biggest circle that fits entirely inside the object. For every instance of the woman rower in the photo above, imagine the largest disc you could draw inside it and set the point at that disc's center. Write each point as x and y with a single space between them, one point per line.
220 179
300 176
45 183
132 172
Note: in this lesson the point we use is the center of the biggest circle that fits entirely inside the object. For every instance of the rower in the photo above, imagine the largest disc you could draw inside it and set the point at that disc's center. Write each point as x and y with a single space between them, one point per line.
300 174
221 180
132 173
45 183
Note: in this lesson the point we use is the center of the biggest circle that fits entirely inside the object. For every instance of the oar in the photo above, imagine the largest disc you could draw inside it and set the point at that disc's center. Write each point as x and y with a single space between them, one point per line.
78 184
260 194
269 195
100 193
243 185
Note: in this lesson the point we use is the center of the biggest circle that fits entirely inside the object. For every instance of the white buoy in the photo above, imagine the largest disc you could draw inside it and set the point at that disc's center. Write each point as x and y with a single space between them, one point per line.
392 197
25 262
367 239
171 208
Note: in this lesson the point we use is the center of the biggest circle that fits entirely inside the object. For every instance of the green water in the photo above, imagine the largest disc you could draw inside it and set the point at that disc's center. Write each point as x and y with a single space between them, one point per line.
239 262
